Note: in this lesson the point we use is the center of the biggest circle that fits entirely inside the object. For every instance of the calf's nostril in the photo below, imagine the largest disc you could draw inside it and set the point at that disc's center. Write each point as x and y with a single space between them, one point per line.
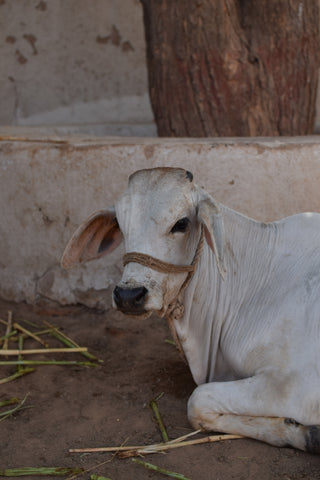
141 294
116 295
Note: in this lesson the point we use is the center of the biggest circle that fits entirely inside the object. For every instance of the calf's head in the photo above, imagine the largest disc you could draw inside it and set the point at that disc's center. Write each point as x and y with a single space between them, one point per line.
161 215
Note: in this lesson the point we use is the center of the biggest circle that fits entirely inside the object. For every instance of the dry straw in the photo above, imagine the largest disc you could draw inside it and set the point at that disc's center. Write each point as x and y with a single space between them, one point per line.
133 451
23 365
33 351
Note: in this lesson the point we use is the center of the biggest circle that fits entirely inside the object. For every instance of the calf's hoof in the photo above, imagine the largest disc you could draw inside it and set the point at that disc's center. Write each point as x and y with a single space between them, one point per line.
313 439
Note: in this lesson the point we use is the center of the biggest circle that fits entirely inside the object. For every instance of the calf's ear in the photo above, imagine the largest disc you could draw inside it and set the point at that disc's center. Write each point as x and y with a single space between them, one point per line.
211 218
97 236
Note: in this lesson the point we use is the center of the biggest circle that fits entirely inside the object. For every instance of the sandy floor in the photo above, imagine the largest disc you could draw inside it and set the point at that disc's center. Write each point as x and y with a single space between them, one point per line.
78 407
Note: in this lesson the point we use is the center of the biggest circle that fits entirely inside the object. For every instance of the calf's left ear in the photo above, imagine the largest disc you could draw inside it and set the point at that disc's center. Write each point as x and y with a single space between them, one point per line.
97 236
211 218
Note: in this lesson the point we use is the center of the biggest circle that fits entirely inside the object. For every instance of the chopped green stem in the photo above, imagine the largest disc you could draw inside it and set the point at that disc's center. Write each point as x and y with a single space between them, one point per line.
98 477
16 375
70 343
46 362
20 345
158 397
154 406
31 324
150 466
5 337
54 471
40 332
13 410
30 334
8 331
10 401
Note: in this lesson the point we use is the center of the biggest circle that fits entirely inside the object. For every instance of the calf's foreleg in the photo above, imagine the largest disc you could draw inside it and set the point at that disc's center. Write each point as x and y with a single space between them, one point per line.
242 408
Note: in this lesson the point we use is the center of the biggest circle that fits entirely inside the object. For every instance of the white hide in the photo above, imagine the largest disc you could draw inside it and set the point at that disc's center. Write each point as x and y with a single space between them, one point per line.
251 328
145 217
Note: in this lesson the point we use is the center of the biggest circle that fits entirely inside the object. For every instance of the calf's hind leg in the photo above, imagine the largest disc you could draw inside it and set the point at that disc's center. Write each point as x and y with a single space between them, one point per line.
241 415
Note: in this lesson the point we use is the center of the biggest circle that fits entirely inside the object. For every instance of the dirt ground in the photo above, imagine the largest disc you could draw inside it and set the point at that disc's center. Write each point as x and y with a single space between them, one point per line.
79 407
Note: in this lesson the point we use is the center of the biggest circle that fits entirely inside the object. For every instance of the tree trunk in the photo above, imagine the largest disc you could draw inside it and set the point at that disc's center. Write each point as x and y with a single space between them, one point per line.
232 67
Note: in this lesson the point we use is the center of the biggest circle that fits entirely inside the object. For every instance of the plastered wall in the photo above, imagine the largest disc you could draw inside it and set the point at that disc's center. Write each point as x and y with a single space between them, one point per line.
49 185
77 65
74 63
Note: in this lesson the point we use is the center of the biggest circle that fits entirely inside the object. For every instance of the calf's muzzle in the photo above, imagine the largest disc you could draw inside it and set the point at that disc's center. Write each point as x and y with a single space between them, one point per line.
130 300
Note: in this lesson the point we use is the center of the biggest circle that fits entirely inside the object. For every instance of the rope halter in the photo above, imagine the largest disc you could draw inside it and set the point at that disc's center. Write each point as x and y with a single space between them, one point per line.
175 309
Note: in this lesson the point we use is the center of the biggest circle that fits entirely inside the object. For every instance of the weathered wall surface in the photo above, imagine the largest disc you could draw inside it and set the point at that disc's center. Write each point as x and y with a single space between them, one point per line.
48 186
72 63
76 63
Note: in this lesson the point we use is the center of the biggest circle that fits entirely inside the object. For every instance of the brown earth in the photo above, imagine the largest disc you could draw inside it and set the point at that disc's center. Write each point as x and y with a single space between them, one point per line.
78 407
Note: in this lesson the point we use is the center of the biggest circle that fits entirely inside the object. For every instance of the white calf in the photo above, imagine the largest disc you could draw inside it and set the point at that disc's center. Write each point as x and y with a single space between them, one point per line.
250 322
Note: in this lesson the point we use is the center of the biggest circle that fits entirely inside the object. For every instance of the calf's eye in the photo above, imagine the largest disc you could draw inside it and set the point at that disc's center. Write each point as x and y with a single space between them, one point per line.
181 225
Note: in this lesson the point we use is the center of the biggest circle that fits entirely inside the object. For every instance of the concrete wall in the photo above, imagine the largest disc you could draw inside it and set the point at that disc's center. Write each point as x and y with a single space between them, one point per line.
75 63
48 186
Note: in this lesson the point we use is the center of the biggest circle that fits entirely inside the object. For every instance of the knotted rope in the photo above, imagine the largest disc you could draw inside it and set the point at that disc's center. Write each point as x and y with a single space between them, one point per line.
155 263
175 309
